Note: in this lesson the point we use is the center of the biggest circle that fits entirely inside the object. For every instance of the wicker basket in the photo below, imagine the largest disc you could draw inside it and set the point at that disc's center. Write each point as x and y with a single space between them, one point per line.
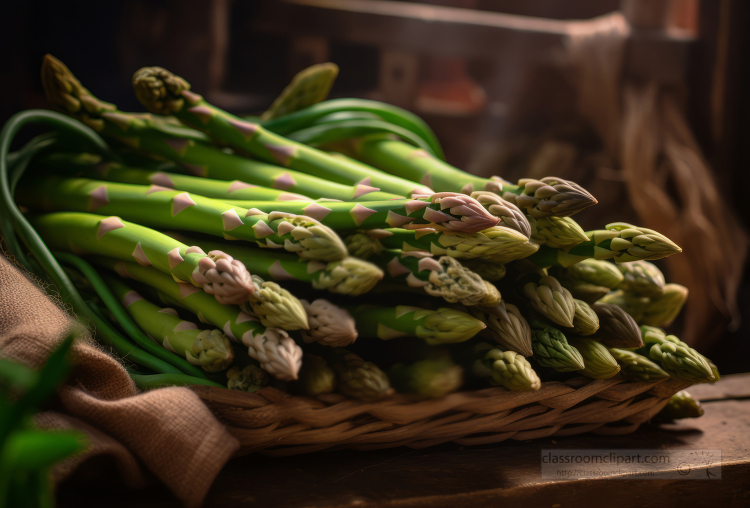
275 423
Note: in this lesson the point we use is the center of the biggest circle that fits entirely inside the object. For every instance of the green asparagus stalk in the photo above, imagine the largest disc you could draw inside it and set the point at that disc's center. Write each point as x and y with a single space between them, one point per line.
635 367
208 349
444 277
620 242
548 297
275 306
680 405
585 320
163 93
631 304
315 377
616 327
663 309
505 325
190 148
308 87
272 347
357 378
538 198
330 325
486 269
598 362
506 368
216 272
163 208
249 378
445 210
557 232
431 378
441 326
674 356
349 276
642 278
551 349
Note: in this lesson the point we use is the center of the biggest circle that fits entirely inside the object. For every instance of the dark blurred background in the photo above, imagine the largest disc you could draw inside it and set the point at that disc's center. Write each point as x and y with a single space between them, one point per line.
532 88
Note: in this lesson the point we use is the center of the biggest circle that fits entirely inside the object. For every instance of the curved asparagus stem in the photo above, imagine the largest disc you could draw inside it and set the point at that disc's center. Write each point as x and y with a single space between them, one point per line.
498 244
551 349
208 349
163 93
506 368
635 367
663 309
315 377
330 325
444 277
275 306
585 320
441 326
538 198
548 297
216 272
642 278
445 210
154 136
620 242
616 327
557 232
505 325
163 208
431 378
308 87
674 356
598 362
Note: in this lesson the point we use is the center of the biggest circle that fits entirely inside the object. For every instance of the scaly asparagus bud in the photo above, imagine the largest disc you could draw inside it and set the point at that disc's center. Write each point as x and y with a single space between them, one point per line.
551 349
315 377
472 215
506 368
663 309
275 306
510 215
631 304
212 350
248 379
624 242
362 245
637 367
506 326
224 277
350 276
277 353
616 327
642 278
598 362
360 379
596 272
584 291
486 269
310 239
498 243
680 405
455 283
585 321
432 378
557 232
445 326
548 297
550 196
674 356
330 325
308 87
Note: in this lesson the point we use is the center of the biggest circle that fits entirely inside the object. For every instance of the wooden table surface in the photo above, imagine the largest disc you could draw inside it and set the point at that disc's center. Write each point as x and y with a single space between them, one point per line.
506 474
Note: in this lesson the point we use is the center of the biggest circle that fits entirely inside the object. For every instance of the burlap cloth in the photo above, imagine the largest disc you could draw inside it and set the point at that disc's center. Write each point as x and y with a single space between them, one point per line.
169 431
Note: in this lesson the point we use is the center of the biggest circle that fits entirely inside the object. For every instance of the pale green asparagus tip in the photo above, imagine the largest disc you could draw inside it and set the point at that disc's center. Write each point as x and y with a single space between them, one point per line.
616 327
275 306
362 246
445 326
308 87
350 276
677 358
663 309
311 239
362 380
315 377
597 360
512 371
551 299
248 379
330 325
498 243
596 272
550 196
508 213
624 242
212 350
585 321
642 278
160 91
557 232
681 405
432 378
456 283
551 349
632 304
486 269
635 367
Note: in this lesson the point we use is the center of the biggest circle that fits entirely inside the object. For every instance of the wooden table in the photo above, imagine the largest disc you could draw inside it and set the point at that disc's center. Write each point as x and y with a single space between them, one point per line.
506 474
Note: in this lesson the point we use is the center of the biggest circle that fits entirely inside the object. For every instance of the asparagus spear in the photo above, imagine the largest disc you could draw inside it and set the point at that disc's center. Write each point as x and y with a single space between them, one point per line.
548 297
163 208
275 306
590 279
154 136
616 327
680 405
330 325
510 215
362 245
308 87
637 367
315 377
216 272
444 210
663 309
444 277
597 360
357 378
557 232
551 349
631 304
642 278
249 378
163 93
432 377
349 276
585 320
490 271
620 242
674 356
504 367
505 325
208 349
441 326
538 198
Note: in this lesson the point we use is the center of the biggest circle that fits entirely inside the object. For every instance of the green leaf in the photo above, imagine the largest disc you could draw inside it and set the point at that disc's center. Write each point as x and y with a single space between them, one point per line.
16 375
30 450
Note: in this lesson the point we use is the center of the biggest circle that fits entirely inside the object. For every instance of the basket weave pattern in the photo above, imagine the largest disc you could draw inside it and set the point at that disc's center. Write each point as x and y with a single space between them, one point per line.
275 423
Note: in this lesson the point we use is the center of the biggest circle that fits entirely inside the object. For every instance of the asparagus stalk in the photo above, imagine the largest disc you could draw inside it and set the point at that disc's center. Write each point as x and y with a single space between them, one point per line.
444 277
163 208
275 306
153 136
616 327
431 378
315 377
663 309
357 378
505 325
216 272
549 298
620 242
163 93
631 304
208 349
597 360
642 278
590 279
557 232
441 326
272 347
349 276
585 320
674 356
538 198
504 367
551 349
635 367
308 87
330 325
